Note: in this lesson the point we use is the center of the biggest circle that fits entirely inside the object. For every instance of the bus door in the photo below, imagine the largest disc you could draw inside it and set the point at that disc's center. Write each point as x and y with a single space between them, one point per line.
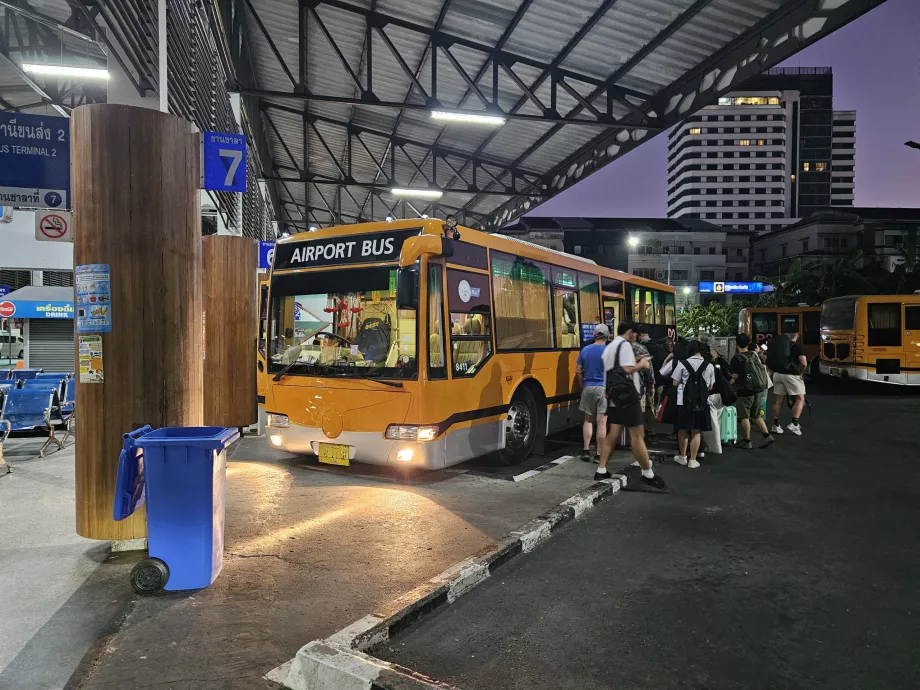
912 336
613 313
884 337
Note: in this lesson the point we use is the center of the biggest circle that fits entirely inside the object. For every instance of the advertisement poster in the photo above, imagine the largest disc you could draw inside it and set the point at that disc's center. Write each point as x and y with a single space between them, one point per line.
90 359
93 288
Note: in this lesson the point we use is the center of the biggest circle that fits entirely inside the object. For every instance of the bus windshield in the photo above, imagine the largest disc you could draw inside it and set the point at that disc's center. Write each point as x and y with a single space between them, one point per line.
341 323
839 314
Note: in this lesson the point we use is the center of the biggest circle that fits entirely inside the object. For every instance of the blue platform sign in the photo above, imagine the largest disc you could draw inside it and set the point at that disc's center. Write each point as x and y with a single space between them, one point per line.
224 161
28 309
266 254
4 290
731 288
34 160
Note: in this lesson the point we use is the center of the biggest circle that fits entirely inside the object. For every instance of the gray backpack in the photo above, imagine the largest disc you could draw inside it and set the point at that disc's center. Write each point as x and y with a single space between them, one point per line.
755 373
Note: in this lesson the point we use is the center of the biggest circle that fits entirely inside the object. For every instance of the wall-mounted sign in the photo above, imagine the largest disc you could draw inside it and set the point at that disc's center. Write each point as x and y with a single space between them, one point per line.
223 158
94 294
23 309
34 160
90 352
54 226
728 288
266 254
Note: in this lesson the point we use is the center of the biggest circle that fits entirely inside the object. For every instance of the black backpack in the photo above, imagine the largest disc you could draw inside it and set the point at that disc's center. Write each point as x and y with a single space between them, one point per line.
779 355
621 391
373 339
696 392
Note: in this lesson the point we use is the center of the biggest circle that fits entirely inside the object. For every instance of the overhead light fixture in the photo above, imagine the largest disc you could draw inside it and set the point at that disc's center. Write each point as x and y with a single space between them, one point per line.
421 193
471 118
632 241
65 71
313 228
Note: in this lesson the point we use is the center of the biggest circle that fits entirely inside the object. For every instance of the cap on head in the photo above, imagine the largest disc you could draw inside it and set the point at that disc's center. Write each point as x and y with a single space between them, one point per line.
601 331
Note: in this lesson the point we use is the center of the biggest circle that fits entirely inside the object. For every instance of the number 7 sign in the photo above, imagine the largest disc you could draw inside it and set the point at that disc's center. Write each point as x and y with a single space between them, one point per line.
223 161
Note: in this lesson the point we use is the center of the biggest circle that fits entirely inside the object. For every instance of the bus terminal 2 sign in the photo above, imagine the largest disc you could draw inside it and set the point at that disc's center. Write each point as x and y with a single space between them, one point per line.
34 160
726 288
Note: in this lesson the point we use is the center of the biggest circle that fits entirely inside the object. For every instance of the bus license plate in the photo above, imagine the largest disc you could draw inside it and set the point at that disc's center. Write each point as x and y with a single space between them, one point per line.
332 454
835 371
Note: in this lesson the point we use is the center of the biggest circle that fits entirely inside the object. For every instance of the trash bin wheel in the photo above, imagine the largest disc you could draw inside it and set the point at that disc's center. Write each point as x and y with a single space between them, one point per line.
149 576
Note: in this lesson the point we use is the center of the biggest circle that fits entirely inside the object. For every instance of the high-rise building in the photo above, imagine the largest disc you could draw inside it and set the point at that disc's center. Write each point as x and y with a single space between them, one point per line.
764 156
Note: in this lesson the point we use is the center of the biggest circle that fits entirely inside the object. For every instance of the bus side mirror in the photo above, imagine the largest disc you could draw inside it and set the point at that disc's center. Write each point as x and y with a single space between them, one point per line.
407 288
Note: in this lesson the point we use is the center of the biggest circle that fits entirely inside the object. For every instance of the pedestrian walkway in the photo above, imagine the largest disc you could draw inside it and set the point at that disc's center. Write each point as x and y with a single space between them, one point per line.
308 549
793 567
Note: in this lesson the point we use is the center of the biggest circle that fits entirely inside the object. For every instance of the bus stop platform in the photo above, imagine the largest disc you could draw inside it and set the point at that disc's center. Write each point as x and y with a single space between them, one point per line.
308 549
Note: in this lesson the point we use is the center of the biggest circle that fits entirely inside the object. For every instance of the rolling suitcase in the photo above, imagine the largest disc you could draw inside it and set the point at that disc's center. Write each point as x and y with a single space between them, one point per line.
729 424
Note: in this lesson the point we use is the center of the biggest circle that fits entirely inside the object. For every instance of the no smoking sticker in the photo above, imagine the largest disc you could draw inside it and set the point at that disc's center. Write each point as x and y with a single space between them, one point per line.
54 226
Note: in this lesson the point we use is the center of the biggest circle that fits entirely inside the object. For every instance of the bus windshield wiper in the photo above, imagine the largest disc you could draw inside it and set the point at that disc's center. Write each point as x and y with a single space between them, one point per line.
285 369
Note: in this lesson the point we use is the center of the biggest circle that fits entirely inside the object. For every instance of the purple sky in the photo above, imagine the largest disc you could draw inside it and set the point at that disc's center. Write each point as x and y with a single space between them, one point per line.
876 61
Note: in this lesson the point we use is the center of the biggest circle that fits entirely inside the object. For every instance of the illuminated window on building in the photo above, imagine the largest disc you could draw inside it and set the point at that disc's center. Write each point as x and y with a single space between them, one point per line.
760 142
820 167
744 142
806 166
695 130
773 100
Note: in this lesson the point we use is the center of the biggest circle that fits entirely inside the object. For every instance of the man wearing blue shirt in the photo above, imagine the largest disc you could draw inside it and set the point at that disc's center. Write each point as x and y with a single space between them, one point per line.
591 377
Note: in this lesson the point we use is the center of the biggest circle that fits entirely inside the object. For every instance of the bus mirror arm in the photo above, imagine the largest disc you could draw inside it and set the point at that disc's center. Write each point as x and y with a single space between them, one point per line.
432 245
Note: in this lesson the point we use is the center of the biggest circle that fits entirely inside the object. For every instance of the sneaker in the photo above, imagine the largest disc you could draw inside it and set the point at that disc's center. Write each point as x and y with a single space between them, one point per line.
768 441
586 455
794 429
745 444
635 463
598 476
680 460
597 460
701 454
776 429
654 485
693 464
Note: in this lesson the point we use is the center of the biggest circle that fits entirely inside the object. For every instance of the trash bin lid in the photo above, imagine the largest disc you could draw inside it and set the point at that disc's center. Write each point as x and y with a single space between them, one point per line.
130 491
209 437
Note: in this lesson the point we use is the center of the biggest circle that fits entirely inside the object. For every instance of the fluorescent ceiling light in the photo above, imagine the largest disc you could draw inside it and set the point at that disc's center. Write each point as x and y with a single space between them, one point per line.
66 71
420 193
472 118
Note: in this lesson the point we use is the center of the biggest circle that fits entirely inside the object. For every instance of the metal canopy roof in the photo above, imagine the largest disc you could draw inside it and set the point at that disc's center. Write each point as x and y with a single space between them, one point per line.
346 88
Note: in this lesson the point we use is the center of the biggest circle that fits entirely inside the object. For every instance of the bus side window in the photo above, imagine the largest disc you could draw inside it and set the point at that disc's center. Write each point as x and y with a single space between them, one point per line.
437 364
811 327
884 324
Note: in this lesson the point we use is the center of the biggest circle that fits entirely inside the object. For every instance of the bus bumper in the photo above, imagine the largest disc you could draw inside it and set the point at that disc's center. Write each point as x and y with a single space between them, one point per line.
868 374
367 447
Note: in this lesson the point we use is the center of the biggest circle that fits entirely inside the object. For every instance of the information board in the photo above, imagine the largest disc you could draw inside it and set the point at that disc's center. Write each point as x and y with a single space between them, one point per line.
224 161
34 160
93 289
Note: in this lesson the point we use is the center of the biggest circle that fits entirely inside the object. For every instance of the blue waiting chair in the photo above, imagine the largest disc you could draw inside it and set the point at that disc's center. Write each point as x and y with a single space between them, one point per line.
25 409
25 374
53 375
57 384
68 404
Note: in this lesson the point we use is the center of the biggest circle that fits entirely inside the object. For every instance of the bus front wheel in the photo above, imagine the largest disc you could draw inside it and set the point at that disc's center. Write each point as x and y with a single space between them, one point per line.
520 428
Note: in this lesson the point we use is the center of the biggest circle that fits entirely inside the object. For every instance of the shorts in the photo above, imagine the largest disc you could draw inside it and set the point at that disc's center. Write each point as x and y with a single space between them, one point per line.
788 384
689 421
629 416
593 401
749 406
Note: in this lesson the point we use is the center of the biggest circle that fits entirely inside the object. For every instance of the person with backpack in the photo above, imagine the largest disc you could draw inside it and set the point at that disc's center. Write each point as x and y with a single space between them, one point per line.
787 360
749 375
625 409
589 368
694 378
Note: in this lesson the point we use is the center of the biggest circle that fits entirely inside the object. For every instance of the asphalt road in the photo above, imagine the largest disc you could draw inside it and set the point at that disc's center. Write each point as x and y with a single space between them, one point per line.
795 567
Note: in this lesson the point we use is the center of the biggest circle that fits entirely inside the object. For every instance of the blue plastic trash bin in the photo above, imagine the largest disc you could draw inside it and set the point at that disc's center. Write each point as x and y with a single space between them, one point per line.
184 470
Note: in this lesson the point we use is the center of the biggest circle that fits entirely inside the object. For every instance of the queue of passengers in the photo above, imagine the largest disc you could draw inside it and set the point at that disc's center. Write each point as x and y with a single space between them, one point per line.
693 387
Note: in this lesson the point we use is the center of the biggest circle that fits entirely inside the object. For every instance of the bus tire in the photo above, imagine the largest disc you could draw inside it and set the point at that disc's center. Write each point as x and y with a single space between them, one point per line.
521 428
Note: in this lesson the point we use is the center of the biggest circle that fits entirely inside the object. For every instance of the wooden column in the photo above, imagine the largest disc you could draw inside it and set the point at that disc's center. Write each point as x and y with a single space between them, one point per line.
231 330
136 208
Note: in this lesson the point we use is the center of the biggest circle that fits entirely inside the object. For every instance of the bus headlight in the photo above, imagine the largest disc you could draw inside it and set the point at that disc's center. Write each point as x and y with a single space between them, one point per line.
279 421
410 432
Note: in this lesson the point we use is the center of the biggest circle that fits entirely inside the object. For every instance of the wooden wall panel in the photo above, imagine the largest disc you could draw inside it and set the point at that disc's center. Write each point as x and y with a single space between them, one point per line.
231 330
136 208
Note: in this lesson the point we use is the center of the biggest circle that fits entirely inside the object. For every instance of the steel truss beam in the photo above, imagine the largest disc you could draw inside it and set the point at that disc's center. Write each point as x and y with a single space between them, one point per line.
442 44
504 180
786 31
26 34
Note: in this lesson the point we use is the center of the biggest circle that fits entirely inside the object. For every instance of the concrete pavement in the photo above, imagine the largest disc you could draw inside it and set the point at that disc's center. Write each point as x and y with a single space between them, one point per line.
795 567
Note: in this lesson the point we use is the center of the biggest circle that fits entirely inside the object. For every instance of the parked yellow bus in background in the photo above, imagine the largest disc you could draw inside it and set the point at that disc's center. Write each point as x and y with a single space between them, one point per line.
872 338
420 344
762 323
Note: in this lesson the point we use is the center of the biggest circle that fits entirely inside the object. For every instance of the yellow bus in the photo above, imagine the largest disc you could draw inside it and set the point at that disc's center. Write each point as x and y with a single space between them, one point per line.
420 344
872 338
762 323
